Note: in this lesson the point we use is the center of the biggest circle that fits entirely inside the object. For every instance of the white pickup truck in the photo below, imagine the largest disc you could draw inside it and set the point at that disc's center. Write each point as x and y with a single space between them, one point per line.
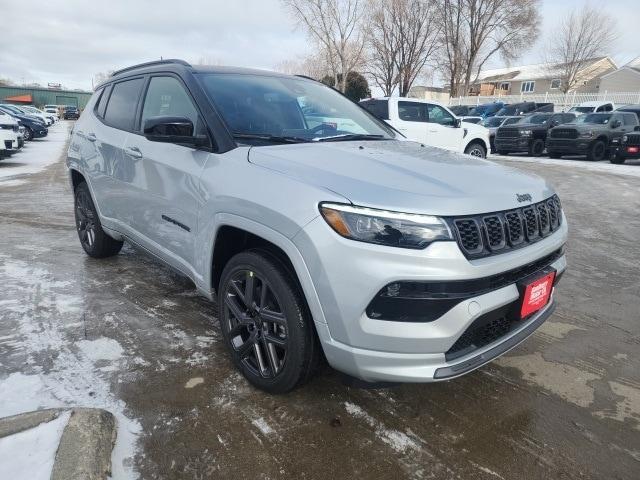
430 123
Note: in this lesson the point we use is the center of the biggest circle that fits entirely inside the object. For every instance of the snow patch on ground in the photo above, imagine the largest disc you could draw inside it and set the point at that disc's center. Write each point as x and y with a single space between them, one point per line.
35 156
29 455
263 426
101 349
397 440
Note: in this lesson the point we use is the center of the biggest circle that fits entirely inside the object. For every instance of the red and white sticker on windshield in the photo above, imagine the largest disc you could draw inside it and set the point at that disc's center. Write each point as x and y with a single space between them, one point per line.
537 294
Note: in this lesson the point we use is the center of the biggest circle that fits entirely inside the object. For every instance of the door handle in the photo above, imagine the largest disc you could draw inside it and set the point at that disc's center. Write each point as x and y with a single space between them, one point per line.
91 137
133 152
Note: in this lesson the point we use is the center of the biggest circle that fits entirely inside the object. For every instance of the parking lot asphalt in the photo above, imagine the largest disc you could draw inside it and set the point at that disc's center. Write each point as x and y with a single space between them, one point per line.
129 335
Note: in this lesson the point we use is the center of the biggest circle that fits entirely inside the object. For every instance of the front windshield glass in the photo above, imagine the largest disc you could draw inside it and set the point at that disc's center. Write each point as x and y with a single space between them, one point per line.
581 109
536 119
506 111
288 109
512 120
492 122
595 118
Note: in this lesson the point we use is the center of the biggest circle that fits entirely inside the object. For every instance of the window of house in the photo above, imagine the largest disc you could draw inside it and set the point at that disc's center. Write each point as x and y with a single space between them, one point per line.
504 86
527 87
556 84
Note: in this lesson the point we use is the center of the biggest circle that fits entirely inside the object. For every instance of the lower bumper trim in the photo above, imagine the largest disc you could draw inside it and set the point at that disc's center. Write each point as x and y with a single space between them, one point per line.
485 357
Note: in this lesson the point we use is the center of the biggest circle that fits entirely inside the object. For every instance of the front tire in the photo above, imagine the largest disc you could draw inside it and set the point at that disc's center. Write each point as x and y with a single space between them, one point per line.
28 134
265 323
536 148
95 242
476 149
597 151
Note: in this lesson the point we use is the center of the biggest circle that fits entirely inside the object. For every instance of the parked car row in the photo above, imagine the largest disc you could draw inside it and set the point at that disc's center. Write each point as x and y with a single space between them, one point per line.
20 124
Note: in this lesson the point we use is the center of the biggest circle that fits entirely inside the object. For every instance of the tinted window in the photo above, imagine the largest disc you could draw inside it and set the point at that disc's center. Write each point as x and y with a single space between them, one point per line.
437 114
413 112
167 97
121 108
379 108
102 104
629 119
511 121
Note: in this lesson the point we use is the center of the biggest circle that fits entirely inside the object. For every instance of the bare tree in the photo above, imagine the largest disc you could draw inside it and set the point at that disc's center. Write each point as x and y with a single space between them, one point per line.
380 34
314 66
582 35
476 30
335 25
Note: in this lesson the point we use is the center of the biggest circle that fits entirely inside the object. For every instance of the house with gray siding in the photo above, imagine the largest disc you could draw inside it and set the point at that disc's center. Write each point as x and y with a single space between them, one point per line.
624 79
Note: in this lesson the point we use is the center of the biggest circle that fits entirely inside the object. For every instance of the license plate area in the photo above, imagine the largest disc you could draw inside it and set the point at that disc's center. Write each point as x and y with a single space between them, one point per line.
535 292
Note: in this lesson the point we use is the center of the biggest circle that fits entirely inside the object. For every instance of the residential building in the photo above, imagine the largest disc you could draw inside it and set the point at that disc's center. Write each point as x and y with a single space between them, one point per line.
439 94
624 79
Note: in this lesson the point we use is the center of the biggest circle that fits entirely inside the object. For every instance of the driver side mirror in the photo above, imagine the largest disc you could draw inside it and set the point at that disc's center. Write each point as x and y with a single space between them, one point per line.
457 122
169 129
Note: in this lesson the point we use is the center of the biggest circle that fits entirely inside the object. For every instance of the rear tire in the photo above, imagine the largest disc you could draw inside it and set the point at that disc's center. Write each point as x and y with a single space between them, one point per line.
476 149
597 151
266 324
95 242
536 148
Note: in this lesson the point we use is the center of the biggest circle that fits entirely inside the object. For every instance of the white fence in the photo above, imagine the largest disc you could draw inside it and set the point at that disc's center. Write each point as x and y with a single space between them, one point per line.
561 101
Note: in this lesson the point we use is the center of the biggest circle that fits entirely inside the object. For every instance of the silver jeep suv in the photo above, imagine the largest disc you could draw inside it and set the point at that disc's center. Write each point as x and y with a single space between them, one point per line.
319 228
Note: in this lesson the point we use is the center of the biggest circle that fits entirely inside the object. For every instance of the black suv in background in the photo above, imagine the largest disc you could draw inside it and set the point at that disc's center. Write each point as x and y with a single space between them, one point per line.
70 113
529 134
628 147
524 108
592 135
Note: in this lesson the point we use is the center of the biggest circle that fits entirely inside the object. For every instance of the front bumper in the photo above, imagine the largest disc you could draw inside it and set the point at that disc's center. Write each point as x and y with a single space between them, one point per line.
568 146
347 275
512 144
626 151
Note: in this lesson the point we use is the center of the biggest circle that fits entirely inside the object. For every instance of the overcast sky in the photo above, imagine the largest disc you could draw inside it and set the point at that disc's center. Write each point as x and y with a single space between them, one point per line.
70 41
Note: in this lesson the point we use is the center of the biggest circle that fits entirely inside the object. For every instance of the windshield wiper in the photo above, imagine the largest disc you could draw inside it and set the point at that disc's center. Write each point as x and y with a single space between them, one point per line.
349 136
269 138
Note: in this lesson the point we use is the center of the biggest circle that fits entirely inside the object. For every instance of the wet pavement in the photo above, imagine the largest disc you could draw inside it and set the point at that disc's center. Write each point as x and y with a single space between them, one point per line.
129 335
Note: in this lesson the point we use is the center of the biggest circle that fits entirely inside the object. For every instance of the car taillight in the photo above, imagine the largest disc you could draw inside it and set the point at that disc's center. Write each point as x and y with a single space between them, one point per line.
632 149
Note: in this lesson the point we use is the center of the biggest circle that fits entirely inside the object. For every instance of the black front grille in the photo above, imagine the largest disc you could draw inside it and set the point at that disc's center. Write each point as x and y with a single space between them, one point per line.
633 140
484 330
8 144
484 235
504 132
6 127
564 133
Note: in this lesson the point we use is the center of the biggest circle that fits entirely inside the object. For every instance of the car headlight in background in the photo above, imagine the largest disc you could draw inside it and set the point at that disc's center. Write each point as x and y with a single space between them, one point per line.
588 134
381 227
526 133
624 139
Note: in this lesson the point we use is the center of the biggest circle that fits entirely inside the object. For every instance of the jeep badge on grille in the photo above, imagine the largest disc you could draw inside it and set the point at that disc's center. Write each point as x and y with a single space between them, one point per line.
523 197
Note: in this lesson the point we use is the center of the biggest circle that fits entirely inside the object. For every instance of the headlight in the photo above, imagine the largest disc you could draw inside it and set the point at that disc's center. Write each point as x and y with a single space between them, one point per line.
588 134
624 139
394 229
525 133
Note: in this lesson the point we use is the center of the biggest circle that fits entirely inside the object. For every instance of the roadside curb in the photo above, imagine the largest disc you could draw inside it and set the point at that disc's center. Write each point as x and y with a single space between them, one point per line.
84 451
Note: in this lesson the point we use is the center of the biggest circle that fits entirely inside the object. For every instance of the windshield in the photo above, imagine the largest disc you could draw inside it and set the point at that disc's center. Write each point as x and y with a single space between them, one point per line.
536 119
581 109
595 118
482 109
492 122
288 109
507 111
512 120
11 108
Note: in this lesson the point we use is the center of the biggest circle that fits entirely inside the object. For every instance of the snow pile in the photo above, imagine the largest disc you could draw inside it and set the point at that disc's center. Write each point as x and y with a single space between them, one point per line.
29 455
35 156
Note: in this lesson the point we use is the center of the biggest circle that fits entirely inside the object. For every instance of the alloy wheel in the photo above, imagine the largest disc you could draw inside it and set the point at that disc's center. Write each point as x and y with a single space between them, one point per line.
256 323
85 220
476 152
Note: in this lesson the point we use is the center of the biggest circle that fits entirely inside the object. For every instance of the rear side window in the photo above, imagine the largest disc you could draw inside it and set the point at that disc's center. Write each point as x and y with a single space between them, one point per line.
102 104
121 108
629 119
379 108
413 112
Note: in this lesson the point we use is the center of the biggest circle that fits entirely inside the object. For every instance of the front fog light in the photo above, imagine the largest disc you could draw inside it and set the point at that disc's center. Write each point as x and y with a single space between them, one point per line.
381 227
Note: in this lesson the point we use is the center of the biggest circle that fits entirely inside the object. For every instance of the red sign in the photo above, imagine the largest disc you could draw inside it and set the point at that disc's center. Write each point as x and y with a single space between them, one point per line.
537 294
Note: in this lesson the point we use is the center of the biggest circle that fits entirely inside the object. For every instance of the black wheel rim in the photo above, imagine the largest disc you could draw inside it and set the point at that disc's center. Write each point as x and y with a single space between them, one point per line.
85 220
256 324
598 151
538 148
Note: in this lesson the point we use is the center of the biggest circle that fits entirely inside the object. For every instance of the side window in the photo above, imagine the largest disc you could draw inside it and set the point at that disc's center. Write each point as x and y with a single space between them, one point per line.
121 107
437 114
167 97
413 112
102 104
629 119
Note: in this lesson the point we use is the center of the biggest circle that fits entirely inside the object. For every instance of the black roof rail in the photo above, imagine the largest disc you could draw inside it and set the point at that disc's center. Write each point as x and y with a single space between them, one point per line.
306 77
152 64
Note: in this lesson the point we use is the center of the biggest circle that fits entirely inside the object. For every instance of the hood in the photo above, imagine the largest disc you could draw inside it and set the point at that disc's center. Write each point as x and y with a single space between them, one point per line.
403 176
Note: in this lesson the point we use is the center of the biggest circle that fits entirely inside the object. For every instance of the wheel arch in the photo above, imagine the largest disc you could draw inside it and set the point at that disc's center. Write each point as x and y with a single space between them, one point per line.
477 140
76 178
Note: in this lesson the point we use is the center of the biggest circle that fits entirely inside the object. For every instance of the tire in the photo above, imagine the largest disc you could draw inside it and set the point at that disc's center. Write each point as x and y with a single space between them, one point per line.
28 134
536 148
476 149
597 151
554 155
277 325
95 242
617 159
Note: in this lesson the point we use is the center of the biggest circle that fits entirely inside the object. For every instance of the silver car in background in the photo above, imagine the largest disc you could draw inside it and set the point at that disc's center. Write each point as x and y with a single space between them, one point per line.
316 227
